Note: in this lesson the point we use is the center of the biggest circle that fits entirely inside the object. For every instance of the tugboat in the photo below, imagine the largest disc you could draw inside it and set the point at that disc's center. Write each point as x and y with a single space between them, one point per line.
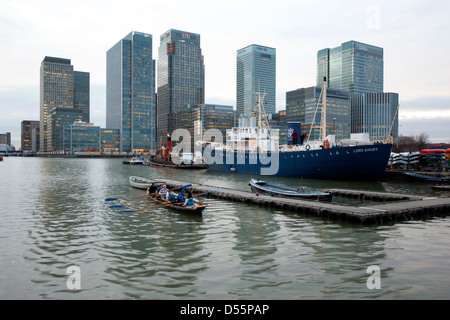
255 150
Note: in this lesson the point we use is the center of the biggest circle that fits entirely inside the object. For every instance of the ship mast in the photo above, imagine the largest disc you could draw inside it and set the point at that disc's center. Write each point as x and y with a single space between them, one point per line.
323 120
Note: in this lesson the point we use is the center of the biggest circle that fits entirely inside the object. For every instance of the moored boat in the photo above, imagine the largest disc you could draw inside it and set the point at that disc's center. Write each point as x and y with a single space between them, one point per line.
140 183
302 193
135 161
412 176
441 188
254 149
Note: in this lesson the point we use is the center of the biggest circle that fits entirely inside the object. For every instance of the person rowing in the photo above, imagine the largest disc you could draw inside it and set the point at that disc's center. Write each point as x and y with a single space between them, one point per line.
190 202
152 189
164 192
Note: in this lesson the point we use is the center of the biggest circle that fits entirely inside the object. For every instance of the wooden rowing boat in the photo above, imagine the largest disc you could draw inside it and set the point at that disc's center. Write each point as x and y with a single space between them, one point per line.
140 183
302 193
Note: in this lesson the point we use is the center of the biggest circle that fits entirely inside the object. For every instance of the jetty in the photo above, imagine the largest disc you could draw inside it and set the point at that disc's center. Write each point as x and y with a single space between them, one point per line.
386 207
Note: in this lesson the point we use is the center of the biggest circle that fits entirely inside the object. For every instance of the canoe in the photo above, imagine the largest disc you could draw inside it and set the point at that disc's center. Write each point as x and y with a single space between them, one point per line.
441 188
140 183
196 210
170 164
411 176
302 193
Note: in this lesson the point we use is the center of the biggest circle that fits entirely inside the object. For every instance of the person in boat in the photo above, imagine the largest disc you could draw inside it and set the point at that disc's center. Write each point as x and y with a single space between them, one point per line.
172 198
164 192
180 197
152 189
190 202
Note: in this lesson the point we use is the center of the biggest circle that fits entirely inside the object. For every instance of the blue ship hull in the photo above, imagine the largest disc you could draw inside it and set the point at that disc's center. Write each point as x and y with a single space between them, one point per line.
366 162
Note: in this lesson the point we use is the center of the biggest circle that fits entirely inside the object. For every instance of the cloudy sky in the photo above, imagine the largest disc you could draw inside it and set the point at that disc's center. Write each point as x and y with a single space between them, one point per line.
415 36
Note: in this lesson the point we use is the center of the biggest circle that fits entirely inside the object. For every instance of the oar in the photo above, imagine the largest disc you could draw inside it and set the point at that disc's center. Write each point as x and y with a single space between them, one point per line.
165 205
132 204
202 194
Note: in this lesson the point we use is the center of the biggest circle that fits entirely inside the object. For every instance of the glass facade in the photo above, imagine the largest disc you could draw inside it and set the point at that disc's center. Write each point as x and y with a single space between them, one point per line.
374 113
353 66
56 91
27 127
81 137
181 78
81 92
301 106
58 118
110 140
130 92
212 116
256 72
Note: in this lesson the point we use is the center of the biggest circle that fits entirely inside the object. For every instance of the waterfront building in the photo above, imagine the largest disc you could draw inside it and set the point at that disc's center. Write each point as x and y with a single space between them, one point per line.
181 78
130 92
376 114
256 72
110 140
35 139
5 138
278 121
60 87
213 116
301 105
57 119
353 66
27 127
81 91
81 137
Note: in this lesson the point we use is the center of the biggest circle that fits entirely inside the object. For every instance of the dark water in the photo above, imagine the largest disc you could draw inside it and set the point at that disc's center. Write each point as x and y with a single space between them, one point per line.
53 216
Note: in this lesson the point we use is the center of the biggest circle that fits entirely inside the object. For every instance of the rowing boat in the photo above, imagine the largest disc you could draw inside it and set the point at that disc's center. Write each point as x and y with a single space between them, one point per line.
302 193
140 183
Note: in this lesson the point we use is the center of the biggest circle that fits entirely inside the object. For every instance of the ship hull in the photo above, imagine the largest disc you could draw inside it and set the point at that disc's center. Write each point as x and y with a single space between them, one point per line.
367 162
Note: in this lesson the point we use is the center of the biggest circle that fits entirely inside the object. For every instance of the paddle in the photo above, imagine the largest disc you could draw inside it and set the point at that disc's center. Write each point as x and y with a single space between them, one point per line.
202 194
113 199
132 204
165 205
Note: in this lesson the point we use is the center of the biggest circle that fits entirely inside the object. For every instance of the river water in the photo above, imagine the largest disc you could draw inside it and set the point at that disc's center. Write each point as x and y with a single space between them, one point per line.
60 240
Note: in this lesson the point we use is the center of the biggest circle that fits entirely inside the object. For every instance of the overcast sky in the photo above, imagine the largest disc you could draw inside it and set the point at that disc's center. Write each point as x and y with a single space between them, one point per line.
415 36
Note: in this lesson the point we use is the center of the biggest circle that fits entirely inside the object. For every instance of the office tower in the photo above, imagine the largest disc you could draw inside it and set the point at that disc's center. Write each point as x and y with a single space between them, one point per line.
130 92
353 66
56 91
56 121
213 116
81 83
301 105
60 87
256 69
27 127
181 78
376 114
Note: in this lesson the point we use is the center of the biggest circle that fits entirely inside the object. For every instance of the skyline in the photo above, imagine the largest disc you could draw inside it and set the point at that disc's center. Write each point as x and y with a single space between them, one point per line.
414 36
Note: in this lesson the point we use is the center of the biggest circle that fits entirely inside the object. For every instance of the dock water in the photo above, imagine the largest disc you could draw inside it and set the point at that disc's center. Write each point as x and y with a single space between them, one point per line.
390 208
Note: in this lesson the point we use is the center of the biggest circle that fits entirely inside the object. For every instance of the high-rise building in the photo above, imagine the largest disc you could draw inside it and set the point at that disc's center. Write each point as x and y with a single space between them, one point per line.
213 116
375 114
353 66
130 92
302 106
181 78
81 83
359 69
256 72
60 87
27 127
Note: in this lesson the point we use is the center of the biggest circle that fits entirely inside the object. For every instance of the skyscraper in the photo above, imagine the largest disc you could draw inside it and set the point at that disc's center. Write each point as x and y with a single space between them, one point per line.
60 87
181 78
359 69
130 92
27 127
353 66
56 91
256 70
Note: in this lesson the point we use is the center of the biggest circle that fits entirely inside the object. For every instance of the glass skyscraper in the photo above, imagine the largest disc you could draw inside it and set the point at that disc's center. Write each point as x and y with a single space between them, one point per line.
181 78
301 107
256 72
60 87
130 92
353 66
